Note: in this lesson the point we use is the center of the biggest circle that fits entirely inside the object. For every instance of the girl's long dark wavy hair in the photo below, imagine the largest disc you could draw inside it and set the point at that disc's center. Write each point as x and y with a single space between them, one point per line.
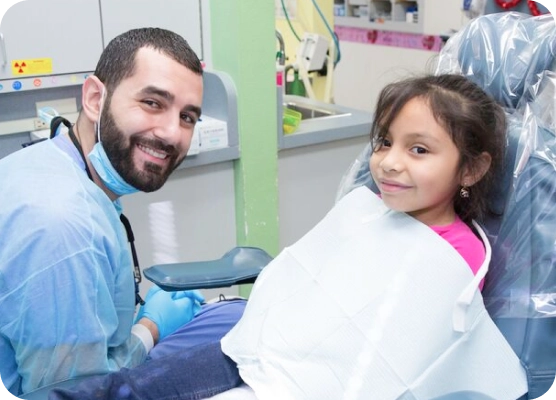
475 122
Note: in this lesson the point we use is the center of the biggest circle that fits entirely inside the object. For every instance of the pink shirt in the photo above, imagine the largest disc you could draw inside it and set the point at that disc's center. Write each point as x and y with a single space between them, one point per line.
462 238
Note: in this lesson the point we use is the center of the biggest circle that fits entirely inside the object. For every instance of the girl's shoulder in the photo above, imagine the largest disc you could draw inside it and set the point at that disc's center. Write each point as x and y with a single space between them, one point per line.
465 241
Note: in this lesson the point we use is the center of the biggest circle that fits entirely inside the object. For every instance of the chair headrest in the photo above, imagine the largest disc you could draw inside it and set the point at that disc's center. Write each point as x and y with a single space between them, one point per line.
502 53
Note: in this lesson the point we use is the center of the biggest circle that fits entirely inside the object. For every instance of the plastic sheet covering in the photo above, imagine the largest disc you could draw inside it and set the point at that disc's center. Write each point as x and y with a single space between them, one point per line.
511 56
358 174
503 53
520 288
522 277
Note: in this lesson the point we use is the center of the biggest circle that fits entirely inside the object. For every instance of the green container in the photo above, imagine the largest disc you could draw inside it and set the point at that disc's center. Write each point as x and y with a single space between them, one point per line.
290 120
296 87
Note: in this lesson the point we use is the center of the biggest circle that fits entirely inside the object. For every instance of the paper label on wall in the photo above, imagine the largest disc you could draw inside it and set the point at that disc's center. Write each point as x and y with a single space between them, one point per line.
34 66
388 38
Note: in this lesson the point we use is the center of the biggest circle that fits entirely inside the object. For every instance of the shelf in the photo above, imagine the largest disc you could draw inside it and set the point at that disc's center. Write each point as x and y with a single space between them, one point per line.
219 101
394 26
387 15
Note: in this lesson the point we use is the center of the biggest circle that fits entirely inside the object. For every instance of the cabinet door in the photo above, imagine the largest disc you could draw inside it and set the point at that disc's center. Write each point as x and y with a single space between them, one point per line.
180 16
51 37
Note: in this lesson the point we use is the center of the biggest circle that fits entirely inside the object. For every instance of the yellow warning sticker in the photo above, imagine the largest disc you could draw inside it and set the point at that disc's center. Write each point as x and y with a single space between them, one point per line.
34 66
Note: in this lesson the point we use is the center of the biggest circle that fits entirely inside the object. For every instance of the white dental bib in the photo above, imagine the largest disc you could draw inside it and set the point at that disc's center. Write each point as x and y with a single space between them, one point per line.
371 304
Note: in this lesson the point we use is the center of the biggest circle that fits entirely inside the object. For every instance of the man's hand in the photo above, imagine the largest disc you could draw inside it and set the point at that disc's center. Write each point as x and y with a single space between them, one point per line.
168 310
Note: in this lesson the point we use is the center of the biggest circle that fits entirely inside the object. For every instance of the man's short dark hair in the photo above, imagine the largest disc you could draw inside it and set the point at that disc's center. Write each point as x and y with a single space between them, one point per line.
117 61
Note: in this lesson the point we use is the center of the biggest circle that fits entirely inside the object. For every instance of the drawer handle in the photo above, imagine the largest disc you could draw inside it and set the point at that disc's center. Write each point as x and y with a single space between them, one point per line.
4 54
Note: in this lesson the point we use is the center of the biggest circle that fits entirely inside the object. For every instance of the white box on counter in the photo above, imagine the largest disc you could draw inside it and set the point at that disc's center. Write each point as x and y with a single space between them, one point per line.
213 133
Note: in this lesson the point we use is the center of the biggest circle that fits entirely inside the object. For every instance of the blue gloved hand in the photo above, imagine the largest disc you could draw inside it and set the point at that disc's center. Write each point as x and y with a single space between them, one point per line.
170 310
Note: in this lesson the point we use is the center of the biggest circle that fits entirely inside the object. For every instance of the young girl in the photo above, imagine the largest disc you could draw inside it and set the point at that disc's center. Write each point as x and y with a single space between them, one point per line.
437 143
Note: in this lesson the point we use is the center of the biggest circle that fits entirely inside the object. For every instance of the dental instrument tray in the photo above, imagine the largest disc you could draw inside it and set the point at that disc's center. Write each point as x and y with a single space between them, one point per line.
239 265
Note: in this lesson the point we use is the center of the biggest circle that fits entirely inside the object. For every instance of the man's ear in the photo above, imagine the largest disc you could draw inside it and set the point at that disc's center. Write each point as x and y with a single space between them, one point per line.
474 174
91 97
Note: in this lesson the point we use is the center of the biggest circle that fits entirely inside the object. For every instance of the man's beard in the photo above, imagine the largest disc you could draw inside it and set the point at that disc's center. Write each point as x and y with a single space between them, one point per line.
152 176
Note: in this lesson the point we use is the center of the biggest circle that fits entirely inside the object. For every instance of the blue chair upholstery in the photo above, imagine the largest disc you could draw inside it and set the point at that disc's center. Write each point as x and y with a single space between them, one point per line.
238 266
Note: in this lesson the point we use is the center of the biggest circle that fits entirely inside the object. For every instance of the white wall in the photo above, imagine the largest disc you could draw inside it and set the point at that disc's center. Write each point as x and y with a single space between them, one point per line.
365 69
308 179
204 208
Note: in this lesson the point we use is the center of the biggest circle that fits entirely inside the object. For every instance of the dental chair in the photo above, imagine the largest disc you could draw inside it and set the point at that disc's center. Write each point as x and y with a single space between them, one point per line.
510 55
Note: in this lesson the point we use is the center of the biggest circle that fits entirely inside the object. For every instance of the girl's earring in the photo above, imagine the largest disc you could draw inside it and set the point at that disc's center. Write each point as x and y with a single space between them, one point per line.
464 192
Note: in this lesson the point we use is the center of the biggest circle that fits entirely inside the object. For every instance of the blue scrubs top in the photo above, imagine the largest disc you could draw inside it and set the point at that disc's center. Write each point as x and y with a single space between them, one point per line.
66 278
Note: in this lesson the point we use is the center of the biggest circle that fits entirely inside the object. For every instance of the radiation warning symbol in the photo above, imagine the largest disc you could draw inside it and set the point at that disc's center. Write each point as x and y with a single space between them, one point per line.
35 66
20 67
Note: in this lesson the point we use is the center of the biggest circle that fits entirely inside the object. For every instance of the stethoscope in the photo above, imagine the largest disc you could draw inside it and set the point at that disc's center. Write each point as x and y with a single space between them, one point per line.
54 125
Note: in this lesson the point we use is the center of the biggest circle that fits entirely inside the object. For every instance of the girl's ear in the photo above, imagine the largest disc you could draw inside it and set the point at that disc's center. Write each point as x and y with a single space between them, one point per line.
473 175
91 98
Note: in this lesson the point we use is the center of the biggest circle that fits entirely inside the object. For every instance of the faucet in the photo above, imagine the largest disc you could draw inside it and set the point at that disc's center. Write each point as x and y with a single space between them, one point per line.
281 56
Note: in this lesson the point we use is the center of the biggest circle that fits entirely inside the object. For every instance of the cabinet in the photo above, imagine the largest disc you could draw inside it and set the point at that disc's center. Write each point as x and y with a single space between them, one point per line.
40 37
180 16
54 43
430 17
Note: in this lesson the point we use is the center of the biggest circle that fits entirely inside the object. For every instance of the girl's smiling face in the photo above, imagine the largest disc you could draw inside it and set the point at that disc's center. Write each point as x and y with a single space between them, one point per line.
417 166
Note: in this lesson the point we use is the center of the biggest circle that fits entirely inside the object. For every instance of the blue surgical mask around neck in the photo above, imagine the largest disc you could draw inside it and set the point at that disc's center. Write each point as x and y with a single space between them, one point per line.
106 172
104 168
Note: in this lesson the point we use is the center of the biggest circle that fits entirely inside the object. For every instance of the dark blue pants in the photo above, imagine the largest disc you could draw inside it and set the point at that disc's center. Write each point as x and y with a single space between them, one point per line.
187 365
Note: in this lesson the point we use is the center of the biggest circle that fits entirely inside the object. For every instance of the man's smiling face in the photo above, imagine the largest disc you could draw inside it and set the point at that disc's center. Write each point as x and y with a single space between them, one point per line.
147 122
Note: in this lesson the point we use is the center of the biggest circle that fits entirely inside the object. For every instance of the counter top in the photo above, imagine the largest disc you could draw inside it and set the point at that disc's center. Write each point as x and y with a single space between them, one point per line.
341 123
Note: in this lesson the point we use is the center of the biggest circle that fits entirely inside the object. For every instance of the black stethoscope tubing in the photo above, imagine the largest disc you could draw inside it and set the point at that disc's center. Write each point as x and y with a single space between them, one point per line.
54 125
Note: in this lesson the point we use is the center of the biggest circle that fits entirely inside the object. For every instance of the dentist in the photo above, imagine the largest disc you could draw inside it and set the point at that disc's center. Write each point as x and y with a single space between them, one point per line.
67 290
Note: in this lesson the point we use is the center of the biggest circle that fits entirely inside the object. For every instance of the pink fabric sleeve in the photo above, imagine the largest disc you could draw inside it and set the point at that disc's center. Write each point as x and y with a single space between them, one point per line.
467 244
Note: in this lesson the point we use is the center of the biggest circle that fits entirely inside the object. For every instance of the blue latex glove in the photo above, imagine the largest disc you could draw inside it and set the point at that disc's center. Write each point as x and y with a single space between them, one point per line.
170 310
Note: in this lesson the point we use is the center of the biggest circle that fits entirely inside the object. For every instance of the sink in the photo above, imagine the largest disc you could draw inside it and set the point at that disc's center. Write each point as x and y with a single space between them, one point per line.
311 109
310 112
320 122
